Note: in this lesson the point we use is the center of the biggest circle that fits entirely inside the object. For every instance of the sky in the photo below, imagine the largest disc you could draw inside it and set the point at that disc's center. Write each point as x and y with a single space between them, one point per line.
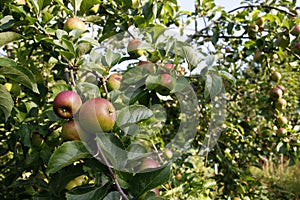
228 5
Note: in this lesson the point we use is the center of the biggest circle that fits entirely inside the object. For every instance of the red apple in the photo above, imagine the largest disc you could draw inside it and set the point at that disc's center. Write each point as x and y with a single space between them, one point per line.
296 30
66 104
168 67
114 81
97 114
275 93
133 48
149 66
74 23
282 131
149 163
166 84
258 56
70 131
276 76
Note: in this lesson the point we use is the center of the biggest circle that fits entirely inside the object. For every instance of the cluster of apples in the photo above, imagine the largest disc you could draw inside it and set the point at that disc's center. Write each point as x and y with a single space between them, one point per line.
96 114
166 82
256 26
276 94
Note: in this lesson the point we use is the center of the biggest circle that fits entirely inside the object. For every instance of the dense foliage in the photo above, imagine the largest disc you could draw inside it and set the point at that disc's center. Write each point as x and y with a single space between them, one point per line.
208 113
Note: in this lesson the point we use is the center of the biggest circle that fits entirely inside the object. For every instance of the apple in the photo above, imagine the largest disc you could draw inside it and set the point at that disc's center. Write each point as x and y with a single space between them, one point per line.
78 181
168 67
296 30
260 21
258 56
156 191
282 120
74 23
168 153
282 42
282 131
166 84
97 114
149 66
149 163
275 93
133 48
20 2
114 81
66 104
282 88
70 131
280 104
276 76
36 140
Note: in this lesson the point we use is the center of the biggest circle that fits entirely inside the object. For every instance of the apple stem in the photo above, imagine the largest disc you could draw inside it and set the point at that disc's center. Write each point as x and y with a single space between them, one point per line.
72 77
111 172
104 85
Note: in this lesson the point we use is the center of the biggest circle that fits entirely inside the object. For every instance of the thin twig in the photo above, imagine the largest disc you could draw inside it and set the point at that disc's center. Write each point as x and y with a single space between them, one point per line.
263 6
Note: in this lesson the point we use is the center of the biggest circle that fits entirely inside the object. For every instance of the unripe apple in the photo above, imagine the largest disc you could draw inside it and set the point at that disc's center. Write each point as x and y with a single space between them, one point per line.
282 88
78 181
275 93
276 76
281 131
36 140
168 153
280 104
149 163
97 114
114 81
149 66
260 21
296 30
66 104
74 23
282 120
70 131
133 48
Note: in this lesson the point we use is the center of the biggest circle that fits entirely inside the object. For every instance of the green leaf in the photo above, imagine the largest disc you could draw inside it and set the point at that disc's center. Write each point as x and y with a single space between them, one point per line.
189 55
67 154
112 58
133 114
7 37
76 5
98 193
213 85
112 196
7 103
87 4
7 22
143 182
18 74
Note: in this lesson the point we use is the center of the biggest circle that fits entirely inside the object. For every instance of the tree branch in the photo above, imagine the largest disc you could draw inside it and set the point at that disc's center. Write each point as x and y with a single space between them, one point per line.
263 6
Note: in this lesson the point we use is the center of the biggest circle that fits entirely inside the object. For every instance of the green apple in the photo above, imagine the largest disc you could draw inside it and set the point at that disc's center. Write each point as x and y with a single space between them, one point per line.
282 120
282 88
275 93
70 131
66 104
74 23
149 66
281 131
166 84
36 140
276 76
168 153
114 81
97 114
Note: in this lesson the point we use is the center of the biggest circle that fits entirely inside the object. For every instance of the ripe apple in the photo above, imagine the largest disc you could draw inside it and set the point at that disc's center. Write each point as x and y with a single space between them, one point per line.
281 131
74 23
275 93
276 76
70 131
149 66
149 163
133 48
296 30
114 81
166 84
97 114
280 104
282 88
66 104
